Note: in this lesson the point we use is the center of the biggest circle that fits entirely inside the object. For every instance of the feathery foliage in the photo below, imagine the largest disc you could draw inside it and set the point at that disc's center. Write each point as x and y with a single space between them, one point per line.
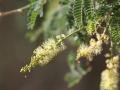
77 12
35 10
77 71
90 24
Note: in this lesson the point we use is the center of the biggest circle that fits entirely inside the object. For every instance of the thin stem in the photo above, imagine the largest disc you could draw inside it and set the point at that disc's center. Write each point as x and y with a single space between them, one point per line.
72 33
19 10
68 36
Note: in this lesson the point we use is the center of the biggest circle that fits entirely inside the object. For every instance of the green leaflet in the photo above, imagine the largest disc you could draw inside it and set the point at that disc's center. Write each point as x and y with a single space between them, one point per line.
115 29
32 19
56 18
77 12
116 35
102 10
90 27
35 10
88 7
73 77
77 71
82 12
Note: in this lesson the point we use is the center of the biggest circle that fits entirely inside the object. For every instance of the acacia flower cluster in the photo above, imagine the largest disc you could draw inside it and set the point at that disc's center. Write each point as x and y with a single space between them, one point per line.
45 53
93 49
110 76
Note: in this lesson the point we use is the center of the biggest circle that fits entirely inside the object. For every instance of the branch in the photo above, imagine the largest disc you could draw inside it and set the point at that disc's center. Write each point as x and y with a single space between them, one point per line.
19 10
67 36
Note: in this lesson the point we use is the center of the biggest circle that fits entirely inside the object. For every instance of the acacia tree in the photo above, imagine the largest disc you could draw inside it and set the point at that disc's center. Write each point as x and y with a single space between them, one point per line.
87 24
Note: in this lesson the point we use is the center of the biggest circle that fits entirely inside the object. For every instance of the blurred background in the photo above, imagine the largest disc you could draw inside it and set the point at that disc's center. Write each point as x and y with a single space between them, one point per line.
16 50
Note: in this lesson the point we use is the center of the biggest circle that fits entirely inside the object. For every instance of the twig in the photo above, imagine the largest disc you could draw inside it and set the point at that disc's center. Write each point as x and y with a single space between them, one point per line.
67 36
19 10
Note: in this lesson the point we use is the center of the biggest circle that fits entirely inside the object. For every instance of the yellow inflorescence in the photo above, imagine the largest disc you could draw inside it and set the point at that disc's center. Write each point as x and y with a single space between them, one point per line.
84 51
44 53
93 49
110 76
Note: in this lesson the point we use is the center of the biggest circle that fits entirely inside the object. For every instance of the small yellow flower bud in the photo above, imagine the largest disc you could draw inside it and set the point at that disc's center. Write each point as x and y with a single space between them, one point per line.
107 55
